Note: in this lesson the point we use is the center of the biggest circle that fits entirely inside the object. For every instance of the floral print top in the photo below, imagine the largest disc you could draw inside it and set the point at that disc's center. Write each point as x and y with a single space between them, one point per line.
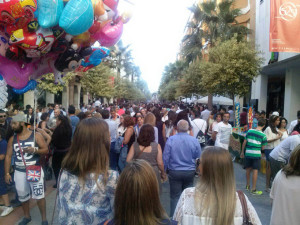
89 204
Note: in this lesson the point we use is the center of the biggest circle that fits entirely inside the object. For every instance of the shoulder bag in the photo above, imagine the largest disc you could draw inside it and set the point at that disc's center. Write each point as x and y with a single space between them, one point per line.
200 136
33 172
246 217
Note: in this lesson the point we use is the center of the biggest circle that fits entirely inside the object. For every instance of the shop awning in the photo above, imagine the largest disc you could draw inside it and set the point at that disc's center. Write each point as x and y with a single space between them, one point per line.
280 67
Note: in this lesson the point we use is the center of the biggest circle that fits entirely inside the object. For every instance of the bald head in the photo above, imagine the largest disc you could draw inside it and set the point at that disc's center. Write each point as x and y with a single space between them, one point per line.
182 126
56 112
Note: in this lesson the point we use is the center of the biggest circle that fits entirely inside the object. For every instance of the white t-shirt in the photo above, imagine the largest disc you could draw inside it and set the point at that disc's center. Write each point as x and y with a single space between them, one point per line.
270 136
231 113
198 124
285 193
223 134
186 212
283 151
292 126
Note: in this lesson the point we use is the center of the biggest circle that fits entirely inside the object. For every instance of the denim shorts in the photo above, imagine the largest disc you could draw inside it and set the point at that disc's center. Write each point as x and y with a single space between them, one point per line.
267 154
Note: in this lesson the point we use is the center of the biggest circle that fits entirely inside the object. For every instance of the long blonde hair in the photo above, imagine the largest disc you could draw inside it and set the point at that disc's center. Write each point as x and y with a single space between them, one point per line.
137 196
215 195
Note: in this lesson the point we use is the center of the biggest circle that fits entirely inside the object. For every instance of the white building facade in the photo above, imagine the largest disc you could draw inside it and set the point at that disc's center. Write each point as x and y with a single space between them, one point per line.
277 88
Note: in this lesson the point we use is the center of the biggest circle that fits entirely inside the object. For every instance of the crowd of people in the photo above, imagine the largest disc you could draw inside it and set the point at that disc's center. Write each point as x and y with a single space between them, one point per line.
109 163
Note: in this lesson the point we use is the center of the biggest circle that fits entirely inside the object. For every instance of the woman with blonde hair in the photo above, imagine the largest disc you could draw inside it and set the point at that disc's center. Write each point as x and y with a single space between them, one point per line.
86 185
137 197
214 201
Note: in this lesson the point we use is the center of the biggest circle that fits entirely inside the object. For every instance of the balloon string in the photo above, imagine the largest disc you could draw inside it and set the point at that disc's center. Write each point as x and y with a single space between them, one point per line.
35 117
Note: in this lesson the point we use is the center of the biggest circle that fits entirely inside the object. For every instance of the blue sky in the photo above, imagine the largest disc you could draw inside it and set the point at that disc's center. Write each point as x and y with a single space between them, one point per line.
155 32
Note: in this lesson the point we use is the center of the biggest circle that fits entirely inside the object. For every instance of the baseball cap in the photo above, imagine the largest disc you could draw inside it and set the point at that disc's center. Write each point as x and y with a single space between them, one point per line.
20 118
275 113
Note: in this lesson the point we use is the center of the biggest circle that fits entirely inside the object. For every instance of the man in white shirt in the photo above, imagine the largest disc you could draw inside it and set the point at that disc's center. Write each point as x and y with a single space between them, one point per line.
205 114
197 123
222 131
281 153
231 118
294 123
165 114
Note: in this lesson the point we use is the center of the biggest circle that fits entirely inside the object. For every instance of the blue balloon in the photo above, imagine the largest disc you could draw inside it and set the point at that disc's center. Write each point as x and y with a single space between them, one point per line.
96 57
31 85
49 12
77 16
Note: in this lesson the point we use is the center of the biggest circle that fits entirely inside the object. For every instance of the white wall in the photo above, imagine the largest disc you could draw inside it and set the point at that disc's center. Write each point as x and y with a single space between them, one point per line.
259 86
292 94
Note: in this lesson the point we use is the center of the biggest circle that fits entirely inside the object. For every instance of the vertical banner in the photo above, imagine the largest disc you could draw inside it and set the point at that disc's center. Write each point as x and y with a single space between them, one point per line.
237 114
284 26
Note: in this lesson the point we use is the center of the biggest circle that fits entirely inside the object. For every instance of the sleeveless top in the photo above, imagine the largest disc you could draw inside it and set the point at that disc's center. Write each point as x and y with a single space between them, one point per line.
31 159
148 156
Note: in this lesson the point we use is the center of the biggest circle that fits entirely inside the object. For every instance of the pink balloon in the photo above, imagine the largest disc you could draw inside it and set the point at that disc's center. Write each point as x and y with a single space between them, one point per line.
110 34
17 74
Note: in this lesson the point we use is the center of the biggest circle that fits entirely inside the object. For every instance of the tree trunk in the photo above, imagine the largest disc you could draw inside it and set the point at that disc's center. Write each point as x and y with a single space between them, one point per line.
210 102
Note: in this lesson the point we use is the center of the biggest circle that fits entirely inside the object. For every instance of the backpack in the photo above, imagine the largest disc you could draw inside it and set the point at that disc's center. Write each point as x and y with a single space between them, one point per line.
201 136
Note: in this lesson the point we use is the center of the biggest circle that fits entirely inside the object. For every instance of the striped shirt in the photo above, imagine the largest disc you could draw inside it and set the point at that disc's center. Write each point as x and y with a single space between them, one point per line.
255 140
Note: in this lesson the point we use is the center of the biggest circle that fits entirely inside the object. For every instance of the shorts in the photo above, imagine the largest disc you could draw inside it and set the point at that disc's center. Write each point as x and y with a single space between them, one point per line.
26 189
251 162
267 154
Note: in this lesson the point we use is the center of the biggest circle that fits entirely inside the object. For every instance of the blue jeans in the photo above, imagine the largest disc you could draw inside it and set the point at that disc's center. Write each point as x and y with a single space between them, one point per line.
179 180
113 157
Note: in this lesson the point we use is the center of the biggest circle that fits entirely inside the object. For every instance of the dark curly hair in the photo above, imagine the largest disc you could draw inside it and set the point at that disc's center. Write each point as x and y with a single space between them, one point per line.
146 135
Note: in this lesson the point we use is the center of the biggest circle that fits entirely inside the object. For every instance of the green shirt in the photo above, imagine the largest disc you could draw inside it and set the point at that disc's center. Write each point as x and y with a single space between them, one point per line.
255 140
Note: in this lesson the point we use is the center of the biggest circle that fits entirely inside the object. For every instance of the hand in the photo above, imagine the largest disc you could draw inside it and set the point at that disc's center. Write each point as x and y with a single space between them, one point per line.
8 179
242 155
280 135
29 150
164 177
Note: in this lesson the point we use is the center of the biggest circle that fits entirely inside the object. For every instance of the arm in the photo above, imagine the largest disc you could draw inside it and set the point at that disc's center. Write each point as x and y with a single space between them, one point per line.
243 149
127 136
214 135
43 125
166 154
43 149
268 132
7 161
46 136
164 132
160 162
130 154
191 133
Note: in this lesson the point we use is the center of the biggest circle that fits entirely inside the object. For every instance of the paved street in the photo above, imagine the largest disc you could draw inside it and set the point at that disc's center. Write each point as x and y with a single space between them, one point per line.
261 203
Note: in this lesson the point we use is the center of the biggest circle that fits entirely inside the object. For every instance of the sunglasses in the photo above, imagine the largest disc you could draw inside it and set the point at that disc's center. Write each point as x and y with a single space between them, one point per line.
2 116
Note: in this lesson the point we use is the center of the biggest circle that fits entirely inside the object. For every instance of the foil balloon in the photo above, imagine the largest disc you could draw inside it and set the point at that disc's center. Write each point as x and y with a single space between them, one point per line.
12 10
94 59
31 85
49 12
110 34
111 8
77 16
3 93
3 44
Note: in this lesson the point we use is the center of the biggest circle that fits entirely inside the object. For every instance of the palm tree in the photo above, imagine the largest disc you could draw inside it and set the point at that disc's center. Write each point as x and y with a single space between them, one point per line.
211 22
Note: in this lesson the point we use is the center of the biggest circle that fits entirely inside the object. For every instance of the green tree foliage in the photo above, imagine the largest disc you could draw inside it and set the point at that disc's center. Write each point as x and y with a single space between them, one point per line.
46 82
231 67
172 75
98 81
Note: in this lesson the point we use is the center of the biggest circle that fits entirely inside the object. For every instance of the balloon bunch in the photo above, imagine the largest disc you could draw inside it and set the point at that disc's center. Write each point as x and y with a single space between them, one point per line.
3 93
250 117
237 114
55 36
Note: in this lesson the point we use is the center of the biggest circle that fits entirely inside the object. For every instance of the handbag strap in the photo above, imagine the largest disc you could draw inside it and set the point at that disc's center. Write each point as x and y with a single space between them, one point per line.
21 150
198 127
243 201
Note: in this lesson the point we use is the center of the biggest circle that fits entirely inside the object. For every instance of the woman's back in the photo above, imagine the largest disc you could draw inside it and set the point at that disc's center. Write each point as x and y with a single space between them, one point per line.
149 156
285 193
91 204
187 213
